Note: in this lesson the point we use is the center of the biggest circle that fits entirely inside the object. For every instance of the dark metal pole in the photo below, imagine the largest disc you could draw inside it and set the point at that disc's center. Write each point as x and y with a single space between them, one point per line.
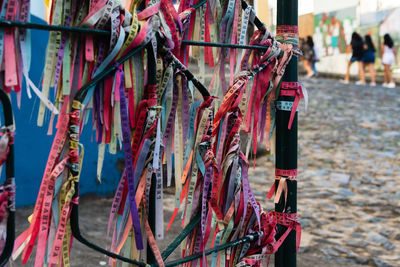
45 27
213 44
286 143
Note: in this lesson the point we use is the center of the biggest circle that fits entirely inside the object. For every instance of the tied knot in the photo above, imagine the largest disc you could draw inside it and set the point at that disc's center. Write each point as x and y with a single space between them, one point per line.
244 74
282 176
119 69
267 42
10 137
117 66
6 140
75 200
298 91
222 222
208 100
74 155
208 162
74 117
73 178
290 220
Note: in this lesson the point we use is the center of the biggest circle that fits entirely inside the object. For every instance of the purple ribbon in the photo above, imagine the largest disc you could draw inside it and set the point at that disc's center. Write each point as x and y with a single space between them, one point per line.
61 50
141 161
126 139
97 94
263 116
185 108
171 117
247 192
206 187
231 186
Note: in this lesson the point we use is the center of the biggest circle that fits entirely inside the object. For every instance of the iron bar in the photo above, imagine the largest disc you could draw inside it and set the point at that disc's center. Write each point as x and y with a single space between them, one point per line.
182 235
9 173
200 4
81 30
257 21
81 93
286 144
247 238
213 44
45 27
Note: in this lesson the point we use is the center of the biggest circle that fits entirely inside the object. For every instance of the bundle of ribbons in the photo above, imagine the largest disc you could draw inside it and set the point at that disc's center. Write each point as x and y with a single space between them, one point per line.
148 109
215 179
216 21
7 189
14 47
222 22
125 106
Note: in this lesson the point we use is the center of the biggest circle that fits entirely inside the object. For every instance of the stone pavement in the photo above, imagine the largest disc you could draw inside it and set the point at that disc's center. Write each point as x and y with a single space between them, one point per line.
349 182
349 162
349 173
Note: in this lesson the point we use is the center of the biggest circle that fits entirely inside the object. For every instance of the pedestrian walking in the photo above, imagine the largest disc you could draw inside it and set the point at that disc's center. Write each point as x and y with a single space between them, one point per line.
369 57
309 56
388 57
357 46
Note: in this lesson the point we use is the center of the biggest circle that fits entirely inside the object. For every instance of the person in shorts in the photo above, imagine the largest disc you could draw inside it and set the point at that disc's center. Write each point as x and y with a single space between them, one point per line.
357 46
369 57
388 57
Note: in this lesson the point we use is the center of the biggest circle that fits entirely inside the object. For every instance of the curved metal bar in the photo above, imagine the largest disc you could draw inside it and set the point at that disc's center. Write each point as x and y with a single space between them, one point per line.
79 96
8 117
257 21
74 220
247 238
213 44
200 4
78 235
84 89
190 76
182 235
40 26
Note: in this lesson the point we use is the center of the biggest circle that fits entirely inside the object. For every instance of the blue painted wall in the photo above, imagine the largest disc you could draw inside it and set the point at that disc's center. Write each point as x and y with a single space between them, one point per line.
32 144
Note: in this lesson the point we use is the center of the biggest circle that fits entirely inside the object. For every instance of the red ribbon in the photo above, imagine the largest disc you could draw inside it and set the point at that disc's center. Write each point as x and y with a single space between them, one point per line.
292 89
292 172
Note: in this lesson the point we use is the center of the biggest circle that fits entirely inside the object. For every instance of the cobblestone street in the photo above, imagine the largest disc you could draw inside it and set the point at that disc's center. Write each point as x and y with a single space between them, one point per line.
349 188
348 184
349 173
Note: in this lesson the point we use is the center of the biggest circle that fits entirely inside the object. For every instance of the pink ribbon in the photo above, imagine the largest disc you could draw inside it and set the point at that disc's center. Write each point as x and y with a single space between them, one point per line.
292 89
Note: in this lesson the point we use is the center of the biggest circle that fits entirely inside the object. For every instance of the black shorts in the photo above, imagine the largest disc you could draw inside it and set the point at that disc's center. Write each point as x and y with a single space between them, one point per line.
353 59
